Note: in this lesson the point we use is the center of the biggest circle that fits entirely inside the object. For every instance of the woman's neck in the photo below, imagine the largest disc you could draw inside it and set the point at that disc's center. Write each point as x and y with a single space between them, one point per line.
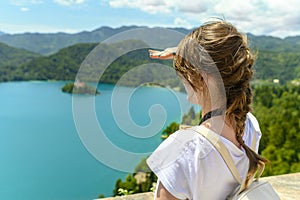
220 124
207 107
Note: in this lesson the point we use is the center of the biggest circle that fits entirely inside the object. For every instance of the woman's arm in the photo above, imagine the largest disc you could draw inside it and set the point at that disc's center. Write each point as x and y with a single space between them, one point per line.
166 54
163 194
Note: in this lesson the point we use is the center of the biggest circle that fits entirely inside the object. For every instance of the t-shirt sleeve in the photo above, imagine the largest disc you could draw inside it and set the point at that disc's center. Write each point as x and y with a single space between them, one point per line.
171 166
252 132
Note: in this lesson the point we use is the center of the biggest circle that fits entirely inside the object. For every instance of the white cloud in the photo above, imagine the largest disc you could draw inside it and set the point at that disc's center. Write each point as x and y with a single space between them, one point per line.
69 2
161 6
278 18
155 6
25 2
178 22
192 7
24 9
150 6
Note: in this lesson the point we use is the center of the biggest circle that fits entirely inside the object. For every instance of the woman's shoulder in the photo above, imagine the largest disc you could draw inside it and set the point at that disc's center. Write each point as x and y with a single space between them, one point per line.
180 146
184 139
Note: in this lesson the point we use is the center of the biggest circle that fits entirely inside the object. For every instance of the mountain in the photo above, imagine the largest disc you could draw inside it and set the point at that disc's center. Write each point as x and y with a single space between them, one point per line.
47 44
2 33
270 43
277 58
64 64
293 40
10 56
271 65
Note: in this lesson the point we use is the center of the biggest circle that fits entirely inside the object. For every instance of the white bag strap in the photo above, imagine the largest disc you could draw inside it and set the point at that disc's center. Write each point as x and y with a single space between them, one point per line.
217 143
253 146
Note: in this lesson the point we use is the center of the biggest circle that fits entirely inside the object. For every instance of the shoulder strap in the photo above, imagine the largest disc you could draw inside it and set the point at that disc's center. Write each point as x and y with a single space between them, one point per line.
217 143
253 146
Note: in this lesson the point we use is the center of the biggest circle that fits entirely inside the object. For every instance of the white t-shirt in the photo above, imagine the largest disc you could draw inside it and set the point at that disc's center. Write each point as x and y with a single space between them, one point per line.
190 167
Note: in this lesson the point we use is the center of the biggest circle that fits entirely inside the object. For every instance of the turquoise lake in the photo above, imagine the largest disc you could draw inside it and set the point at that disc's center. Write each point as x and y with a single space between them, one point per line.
41 153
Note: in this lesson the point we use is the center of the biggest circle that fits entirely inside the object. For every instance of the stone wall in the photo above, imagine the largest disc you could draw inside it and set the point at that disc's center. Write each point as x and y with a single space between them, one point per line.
287 186
140 196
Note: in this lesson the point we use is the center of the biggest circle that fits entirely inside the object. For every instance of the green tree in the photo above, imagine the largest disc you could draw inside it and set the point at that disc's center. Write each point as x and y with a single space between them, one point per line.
129 186
173 127
142 166
279 115
117 186
189 117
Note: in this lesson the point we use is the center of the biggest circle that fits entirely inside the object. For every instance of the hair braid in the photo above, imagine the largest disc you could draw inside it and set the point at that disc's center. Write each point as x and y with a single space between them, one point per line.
239 99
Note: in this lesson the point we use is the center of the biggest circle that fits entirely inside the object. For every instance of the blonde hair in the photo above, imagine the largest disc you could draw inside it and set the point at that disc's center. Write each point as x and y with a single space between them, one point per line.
220 47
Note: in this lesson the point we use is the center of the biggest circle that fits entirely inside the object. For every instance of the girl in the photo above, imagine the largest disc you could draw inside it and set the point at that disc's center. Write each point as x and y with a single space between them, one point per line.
215 66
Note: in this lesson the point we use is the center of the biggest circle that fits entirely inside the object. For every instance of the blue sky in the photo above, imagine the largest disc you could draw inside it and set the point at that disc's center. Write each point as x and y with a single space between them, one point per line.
260 17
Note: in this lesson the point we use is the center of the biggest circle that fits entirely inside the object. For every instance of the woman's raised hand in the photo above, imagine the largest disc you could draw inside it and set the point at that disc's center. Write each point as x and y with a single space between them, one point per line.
166 54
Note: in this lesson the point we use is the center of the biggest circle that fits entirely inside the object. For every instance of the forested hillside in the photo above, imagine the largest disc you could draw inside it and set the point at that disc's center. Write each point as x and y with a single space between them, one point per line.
65 64
60 66
269 43
284 66
11 58
17 65
278 110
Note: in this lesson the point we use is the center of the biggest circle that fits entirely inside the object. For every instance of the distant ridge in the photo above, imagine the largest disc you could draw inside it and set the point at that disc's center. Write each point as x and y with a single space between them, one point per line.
49 43
11 56
270 43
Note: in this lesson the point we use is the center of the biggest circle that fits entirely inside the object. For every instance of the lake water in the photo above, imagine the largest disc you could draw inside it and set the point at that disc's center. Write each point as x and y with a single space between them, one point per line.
41 154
